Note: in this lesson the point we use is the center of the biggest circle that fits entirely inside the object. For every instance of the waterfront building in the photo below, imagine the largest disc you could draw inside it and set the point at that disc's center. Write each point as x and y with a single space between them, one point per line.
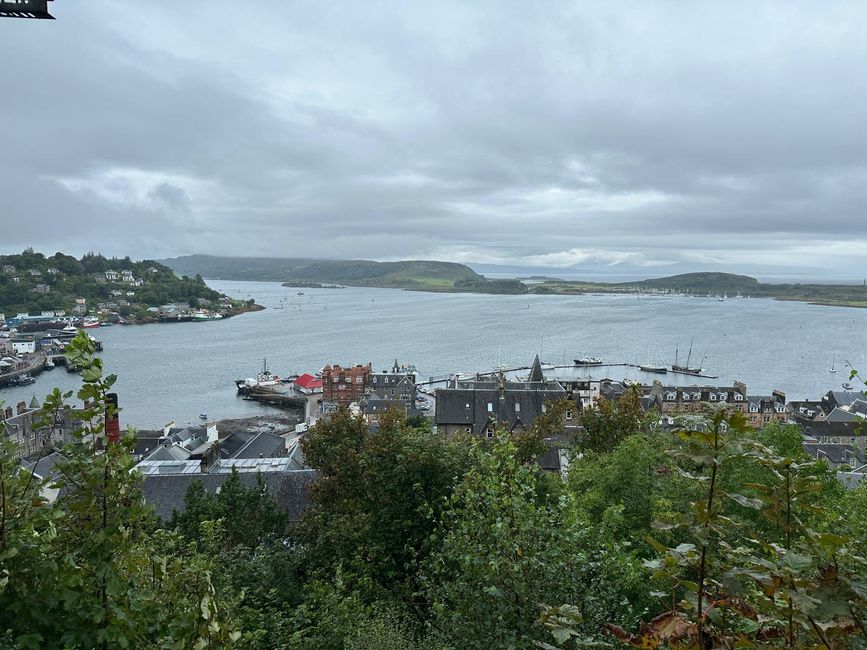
112 276
344 385
680 400
481 406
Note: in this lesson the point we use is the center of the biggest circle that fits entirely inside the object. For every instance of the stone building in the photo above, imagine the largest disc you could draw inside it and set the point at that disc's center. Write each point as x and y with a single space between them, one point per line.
344 385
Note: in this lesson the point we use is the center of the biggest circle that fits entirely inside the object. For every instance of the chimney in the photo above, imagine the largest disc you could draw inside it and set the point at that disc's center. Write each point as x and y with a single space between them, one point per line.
741 388
112 419
780 395
21 407
213 434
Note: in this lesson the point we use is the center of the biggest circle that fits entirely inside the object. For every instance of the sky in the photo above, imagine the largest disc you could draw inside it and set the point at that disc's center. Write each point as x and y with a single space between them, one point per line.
603 137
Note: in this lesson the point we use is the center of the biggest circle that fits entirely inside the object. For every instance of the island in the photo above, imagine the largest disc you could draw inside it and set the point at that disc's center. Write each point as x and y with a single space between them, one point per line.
451 277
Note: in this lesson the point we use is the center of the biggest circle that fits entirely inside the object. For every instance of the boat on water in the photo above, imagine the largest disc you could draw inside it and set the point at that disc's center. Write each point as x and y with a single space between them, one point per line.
49 365
685 369
25 380
847 385
90 322
202 314
833 363
300 293
649 367
264 379
588 361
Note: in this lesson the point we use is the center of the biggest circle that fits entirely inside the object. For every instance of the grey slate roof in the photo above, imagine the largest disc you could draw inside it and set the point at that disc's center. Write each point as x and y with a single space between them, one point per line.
480 408
166 492
46 468
261 445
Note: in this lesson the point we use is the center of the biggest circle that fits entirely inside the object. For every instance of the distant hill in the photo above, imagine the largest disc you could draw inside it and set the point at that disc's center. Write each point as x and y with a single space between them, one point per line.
700 282
413 274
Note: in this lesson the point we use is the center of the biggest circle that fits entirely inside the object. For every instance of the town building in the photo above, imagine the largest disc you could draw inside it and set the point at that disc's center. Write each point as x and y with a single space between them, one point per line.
764 409
680 400
112 276
287 479
344 385
481 406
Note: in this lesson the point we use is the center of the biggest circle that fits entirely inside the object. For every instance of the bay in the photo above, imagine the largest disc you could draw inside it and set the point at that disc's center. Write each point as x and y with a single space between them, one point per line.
177 371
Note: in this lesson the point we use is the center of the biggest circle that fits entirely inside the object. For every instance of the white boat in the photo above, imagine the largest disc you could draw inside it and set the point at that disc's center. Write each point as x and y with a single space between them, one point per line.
833 363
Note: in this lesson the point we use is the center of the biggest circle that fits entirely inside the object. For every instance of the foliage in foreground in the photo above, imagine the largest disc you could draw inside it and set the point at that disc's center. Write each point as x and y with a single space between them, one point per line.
715 537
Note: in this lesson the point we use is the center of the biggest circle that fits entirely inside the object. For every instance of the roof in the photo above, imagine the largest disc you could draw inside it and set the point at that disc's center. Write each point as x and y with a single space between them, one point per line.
308 381
835 453
261 445
536 372
480 407
47 467
290 489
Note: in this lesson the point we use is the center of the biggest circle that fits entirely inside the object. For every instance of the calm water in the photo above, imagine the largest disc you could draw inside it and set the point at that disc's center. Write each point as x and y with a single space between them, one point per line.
174 372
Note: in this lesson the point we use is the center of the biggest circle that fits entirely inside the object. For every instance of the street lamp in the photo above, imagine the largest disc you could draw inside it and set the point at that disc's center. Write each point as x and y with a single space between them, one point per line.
25 9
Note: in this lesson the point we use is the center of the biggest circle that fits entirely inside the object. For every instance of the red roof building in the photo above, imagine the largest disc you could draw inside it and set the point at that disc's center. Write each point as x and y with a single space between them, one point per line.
307 384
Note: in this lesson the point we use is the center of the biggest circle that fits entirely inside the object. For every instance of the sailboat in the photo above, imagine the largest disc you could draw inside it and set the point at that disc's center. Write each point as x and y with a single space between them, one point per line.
685 369
833 363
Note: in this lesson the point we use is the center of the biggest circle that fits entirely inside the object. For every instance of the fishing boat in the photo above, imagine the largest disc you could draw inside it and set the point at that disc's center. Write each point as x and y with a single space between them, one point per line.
588 361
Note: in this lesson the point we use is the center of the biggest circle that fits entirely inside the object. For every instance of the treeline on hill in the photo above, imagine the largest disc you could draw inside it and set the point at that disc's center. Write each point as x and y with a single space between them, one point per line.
714 537
419 275
64 278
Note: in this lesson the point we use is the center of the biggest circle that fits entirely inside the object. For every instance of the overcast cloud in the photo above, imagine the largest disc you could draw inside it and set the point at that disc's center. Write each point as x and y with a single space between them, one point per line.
653 137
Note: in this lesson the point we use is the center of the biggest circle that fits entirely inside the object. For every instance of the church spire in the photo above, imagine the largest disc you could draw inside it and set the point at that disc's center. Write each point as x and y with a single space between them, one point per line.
536 372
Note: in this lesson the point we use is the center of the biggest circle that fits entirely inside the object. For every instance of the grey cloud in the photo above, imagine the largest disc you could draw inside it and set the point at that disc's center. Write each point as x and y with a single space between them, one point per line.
704 135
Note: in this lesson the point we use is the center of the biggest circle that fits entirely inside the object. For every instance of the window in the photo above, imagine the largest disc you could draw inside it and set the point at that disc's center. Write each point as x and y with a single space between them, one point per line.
738 397
359 380
686 397
489 432
713 397
517 407
490 407
544 408
467 429
754 408
568 414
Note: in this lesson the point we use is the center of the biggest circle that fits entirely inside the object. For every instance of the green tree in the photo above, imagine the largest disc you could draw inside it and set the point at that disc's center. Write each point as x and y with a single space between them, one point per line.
507 545
377 498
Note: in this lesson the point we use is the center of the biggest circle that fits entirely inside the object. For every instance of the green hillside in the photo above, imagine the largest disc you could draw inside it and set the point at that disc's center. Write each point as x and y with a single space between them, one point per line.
419 275
31 282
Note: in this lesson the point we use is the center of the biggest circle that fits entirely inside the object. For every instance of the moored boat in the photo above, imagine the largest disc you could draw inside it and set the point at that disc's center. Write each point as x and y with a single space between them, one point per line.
588 361
648 367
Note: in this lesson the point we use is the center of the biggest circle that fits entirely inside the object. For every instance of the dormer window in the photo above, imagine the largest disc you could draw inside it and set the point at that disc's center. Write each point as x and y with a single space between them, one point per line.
754 408
696 397
723 397
713 397
686 397
739 397
670 397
